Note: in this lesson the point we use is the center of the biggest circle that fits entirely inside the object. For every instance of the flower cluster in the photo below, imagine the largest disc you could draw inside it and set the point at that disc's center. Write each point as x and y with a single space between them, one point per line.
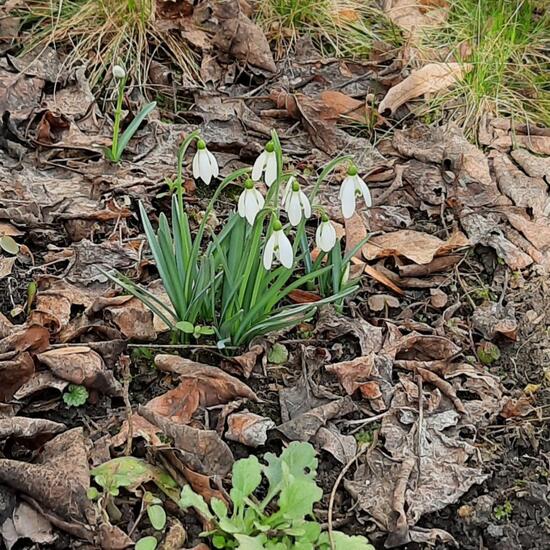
295 203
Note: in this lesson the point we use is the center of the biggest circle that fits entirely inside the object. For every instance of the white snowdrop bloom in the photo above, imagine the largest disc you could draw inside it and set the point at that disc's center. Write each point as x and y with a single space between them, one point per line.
278 246
325 236
351 188
205 165
296 202
251 202
118 72
266 162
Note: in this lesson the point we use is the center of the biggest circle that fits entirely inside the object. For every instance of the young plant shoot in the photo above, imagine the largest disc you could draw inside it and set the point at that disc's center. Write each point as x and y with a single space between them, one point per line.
119 142
235 283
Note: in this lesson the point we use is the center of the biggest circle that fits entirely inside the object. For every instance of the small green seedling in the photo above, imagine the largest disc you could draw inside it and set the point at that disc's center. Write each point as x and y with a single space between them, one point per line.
195 330
119 143
75 396
503 512
8 245
488 353
146 543
278 354
283 519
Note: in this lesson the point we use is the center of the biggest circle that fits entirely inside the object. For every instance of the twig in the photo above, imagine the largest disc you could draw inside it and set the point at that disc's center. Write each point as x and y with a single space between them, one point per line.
124 363
361 451
420 422
179 346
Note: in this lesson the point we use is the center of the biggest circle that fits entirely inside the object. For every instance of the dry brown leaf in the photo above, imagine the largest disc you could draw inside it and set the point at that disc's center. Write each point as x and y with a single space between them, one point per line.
140 428
81 365
414 245
200 386
342 447
338 104
14 373
382 279
353 374
493 318
248 428
299 296
517 407
378 302
202 451
6 266
59 480
431 78
304 426
26 523
413 16
533 165
246 361
29 428
240 37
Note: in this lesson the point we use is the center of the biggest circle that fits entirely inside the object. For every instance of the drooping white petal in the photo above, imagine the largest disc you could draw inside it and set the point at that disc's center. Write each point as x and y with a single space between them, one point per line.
285 254
259 166
288 191
196 169
251 206
259 199
205 170
306 206
362 186
347 197
213 163
269 250
294 208
271 168
325 236
241 209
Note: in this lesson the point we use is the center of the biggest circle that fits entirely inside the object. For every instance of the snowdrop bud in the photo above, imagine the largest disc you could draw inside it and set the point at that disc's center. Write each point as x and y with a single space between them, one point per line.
325 236
266 162
251 202
352 187
296 202
205 165
118 72
278 246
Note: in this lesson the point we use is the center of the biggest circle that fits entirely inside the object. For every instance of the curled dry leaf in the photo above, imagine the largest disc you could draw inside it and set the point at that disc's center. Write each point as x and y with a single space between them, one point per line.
202 451
356 232
378 302
40 381
342 447
418 247
353 374
29 428
140 428
413 16
533 165
306 425
241 37
59 480
14 373
200 386
26 523
493 318
431 78
248 428
246 361
83 366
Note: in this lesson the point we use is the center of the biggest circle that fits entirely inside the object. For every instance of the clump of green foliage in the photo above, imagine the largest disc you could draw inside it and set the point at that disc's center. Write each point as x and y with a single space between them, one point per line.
75 396
507 42
283 518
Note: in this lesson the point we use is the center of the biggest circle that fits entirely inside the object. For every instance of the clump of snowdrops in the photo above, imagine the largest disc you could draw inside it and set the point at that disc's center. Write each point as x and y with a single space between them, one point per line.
234 284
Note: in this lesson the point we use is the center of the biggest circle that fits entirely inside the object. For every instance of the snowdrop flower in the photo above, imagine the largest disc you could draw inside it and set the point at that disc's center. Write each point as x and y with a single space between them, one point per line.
325 236
251 202
118 72
278 246
204 163
266 162
352 187
296 202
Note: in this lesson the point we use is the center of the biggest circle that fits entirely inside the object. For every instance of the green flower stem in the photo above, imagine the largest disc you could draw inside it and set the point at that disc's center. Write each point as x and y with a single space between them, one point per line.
118 116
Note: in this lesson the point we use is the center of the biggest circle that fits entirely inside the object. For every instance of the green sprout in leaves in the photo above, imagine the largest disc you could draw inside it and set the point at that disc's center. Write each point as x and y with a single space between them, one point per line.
75 396
284 518
119 142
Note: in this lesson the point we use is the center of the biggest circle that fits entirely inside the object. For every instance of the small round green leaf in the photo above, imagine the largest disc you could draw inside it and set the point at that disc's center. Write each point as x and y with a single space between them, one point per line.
157 516
92 493
8 244
185 326
146 543
278 354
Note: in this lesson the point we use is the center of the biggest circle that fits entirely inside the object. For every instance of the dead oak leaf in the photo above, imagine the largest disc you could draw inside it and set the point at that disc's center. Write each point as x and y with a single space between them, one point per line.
431 78
200 386
418 247
81 365
353 374
415 15
248 428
